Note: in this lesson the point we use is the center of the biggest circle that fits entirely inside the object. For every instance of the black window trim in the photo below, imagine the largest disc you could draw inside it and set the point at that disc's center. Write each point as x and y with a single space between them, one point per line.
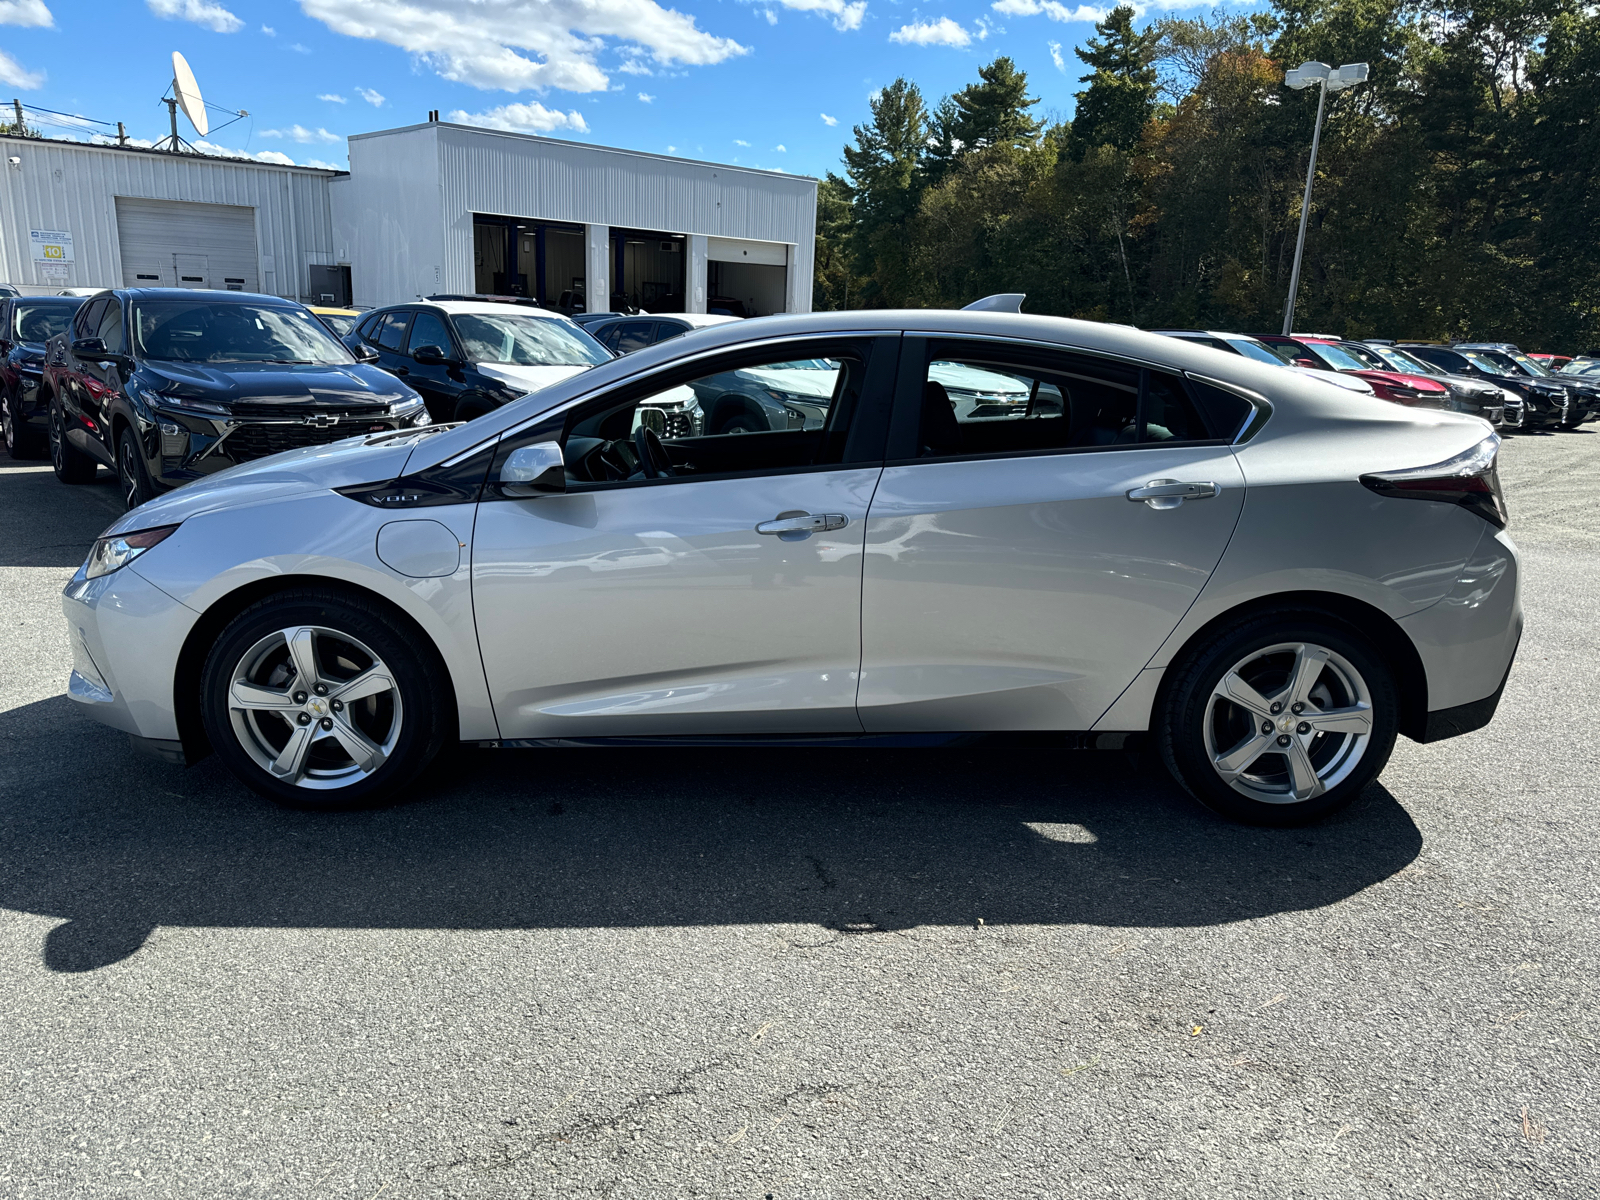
912 378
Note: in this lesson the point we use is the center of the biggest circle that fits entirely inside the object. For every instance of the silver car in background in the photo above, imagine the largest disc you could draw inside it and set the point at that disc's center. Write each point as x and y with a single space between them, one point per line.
1265 578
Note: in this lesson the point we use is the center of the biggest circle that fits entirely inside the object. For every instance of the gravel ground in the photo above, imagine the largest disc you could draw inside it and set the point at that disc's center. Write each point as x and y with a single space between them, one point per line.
803 974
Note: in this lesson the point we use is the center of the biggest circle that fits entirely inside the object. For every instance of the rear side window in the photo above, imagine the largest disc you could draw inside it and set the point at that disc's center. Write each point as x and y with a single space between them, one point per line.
392 334
667 330
629 336
109 330
979 399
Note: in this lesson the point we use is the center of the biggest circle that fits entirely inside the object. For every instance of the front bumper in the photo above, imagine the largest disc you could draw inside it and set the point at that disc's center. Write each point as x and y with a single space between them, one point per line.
126 635
1468 640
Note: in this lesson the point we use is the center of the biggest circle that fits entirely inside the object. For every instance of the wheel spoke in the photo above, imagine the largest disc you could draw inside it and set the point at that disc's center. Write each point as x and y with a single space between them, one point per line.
249 695
372 682
1229 765
1233 687
1308 664
1303 776
1355 719
303 652
367 756
291 761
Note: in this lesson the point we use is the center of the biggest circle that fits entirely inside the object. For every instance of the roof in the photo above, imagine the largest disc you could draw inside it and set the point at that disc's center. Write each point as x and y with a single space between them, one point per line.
482 306
69 144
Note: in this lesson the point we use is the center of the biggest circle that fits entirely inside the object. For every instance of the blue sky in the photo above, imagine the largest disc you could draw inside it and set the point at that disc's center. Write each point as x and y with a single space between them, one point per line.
770 83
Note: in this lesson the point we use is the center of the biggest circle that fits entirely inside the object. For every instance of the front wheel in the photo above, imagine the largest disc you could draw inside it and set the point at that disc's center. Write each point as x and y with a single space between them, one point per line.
132 476
1280 721
317 700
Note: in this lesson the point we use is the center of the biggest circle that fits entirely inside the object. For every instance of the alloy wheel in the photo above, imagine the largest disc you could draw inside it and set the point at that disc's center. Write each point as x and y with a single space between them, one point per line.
58 453
315 707
6 427
1288 722
128 476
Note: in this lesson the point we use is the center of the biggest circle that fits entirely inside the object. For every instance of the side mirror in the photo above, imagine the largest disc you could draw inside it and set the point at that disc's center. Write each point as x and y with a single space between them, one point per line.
89 347
428 356
364 354
537 470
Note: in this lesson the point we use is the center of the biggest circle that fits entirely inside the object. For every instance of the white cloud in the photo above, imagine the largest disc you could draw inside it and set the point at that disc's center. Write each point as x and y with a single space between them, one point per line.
14 74
326 166
740 142
269 31
333 98
300 48
646 98
373 98
943 32
830 122
522 118
781 148
772 17
1057 11
672 149
1055 56
299 133
846 14
479 43
31 13
202 12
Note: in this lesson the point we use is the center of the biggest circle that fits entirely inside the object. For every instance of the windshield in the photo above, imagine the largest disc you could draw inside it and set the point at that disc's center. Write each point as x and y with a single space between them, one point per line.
1259 351
41 322
1529 365
221 331
1581 366
1483 362
1336 358
340 323
527 341
1399 360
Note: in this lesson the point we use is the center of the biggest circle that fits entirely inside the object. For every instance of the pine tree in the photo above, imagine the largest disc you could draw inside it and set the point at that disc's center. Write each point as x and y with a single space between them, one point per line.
1122 83
884 185
991 112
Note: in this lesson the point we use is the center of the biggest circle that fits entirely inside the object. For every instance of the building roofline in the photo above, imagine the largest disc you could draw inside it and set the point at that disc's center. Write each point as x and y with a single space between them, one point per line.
68 143
565 142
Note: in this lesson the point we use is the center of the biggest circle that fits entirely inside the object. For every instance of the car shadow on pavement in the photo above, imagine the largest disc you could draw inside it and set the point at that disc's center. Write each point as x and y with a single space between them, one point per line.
51 524
852 840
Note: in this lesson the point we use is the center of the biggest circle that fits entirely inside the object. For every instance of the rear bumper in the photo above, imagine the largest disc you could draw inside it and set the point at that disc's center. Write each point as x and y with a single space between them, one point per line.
1464 718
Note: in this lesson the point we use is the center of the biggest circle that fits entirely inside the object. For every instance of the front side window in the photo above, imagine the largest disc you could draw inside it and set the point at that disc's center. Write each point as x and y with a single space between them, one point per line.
88 319
978 400
40 322
748 415
628 336
110 329
516 339
427 329
210 331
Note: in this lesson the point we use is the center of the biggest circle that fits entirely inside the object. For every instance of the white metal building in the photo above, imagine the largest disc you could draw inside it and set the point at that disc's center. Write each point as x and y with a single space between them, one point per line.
450 208
77 215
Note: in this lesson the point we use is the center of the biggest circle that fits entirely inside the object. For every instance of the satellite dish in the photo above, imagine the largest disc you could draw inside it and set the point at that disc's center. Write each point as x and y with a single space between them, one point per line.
187 93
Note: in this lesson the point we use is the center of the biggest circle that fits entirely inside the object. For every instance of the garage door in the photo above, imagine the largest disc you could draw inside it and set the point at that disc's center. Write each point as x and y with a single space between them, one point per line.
175 243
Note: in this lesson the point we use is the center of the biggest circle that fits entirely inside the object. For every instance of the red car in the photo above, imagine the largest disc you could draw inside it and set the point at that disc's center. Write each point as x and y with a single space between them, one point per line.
1551 362
1323 353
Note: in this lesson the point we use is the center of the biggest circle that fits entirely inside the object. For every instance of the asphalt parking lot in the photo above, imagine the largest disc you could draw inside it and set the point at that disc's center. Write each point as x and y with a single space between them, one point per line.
851 973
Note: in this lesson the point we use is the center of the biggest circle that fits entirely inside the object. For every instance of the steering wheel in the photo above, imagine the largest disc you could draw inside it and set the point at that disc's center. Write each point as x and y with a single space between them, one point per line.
653 460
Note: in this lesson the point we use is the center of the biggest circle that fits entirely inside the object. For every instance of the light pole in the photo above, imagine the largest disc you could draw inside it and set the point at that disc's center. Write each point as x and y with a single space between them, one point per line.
1331 80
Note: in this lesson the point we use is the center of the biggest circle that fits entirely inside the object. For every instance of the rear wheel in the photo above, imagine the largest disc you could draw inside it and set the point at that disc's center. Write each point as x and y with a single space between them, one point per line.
71 464
740 422
1279 721
323 701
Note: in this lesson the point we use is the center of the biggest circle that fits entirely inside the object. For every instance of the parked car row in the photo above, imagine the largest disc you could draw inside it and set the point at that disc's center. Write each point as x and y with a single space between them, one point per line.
1496 381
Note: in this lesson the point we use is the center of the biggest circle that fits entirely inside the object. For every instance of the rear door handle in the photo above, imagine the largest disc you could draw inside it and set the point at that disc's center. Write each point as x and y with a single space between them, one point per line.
1169 493
793 526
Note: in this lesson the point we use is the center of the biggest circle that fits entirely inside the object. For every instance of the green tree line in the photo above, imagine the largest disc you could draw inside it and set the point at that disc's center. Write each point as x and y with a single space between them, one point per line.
1456 191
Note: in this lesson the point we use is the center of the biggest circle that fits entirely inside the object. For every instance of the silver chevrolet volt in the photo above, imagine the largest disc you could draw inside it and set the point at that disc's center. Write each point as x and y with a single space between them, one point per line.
1262 577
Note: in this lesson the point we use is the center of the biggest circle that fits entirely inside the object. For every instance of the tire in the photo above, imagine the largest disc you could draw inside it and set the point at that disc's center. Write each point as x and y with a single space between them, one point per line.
1219 747
71 464
132 477
21 442
741 422
353 644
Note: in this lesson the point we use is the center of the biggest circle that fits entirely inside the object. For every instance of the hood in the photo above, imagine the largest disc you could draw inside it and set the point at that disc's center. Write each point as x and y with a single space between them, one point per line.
314 468
796 381
341 384
529 379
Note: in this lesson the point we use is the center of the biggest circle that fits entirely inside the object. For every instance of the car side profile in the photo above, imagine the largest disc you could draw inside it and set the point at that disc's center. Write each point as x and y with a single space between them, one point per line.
468 357
1240 343
169 385
1128 561
625 334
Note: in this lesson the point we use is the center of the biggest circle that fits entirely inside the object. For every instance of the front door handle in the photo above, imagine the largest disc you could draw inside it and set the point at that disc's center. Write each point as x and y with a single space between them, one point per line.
1169 493
402 370
794 526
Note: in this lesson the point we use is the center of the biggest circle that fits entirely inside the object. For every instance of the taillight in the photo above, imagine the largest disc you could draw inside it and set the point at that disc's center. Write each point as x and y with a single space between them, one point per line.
1469 479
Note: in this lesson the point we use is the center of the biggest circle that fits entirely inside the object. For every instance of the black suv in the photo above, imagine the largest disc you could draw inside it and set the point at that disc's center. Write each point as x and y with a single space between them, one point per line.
1544 405
26 324
166 385
469 356
1583 394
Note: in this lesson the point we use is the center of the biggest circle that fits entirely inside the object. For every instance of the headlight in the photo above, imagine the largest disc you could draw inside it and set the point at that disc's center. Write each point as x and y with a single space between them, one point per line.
185 406
113 553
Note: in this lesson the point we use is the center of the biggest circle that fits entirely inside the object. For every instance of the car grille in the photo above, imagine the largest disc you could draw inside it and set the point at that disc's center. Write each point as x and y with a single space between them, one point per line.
251 440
